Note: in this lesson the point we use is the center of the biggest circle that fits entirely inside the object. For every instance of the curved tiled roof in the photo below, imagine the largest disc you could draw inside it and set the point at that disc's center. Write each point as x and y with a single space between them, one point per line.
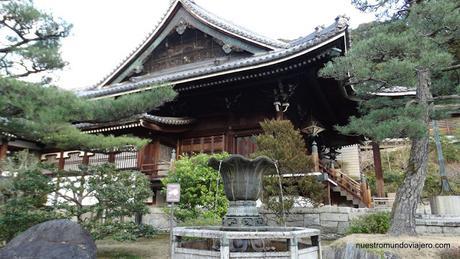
305 44
205 16
341 22
177 121
169 121
231 27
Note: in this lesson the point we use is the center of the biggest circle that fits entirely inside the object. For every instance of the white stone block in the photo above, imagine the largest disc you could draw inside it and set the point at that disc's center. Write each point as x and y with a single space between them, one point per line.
334 216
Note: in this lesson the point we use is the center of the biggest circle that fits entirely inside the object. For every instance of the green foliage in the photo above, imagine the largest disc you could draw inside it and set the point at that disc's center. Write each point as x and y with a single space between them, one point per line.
119 194
71 193
281 142
23 196
310 187
30 39
30 44
394 164
200 194
120 231
376 223
385 118
418 39
202 221
46 114
450 150
125 106
389 53
384 8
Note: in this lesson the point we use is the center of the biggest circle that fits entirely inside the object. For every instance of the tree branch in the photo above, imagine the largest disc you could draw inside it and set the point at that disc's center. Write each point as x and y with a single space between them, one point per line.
453 67
25 41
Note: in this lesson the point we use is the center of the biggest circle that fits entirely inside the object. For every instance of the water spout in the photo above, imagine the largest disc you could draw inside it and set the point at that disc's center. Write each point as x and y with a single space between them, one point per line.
281 191
217 183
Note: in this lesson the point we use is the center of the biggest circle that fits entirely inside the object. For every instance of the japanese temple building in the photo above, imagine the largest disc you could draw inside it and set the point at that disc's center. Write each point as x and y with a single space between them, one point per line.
228 79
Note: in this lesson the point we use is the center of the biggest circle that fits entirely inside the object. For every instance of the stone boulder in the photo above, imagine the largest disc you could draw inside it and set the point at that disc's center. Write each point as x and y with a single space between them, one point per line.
51 239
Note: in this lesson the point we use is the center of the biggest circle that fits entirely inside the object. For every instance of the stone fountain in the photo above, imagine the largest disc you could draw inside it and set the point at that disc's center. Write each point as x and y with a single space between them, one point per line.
243 233
242 180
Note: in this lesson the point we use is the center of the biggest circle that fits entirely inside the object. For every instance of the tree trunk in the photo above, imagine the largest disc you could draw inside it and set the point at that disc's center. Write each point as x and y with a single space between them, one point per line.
378 169
409 192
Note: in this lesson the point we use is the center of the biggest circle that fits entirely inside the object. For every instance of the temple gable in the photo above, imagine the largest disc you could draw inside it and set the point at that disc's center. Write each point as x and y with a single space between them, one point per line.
184 38
190 46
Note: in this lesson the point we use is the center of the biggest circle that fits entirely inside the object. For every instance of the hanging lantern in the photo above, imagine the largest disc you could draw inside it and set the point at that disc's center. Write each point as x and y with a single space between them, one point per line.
313 129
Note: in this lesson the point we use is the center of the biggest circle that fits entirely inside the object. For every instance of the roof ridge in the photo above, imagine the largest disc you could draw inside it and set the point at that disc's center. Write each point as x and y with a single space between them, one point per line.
341 23
230 26
223 24
209 17
249 61
135 49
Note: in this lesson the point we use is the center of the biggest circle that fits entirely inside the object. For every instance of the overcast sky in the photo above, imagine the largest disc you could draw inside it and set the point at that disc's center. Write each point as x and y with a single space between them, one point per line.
105 31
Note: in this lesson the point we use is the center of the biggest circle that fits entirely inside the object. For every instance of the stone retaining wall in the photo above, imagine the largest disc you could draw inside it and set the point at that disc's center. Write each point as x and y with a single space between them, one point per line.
157 218
333 221
436 224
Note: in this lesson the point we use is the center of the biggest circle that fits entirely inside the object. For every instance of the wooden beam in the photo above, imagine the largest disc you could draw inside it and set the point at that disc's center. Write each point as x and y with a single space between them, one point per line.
321 98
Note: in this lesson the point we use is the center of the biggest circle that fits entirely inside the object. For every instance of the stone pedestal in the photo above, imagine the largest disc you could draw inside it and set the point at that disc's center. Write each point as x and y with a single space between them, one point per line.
242 214
445 205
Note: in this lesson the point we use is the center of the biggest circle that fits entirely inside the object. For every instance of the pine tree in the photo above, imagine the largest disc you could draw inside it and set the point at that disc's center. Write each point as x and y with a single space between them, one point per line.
284 144
415 46
30 41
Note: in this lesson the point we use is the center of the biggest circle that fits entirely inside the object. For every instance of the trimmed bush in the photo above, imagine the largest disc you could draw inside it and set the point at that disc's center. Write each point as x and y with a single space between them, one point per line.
375 223
121 231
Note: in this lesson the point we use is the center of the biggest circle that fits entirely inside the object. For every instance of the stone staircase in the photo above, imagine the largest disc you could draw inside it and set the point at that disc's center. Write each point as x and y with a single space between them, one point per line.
356 201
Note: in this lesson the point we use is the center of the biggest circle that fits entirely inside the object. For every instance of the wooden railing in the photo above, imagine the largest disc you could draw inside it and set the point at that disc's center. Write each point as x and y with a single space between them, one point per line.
358 190
384 202
71 161
156 170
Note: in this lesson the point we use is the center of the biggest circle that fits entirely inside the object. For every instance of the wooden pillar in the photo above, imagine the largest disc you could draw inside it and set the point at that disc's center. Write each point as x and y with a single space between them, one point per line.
61 161
278 111
329 200
365 194
229 144
378 169
178 149
111 158
279 115
229 135
315 156
85 160
140 158
3 150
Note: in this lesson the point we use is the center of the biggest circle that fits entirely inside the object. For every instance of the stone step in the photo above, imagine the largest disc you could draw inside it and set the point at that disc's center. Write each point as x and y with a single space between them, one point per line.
348 196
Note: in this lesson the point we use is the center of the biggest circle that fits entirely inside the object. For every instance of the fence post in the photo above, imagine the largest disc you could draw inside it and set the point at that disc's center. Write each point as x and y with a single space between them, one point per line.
3 149
61 163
